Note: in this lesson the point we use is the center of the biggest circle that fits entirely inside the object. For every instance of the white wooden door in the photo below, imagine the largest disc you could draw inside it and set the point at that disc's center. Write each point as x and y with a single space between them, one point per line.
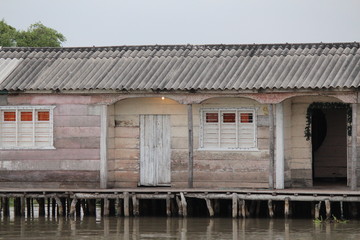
155 150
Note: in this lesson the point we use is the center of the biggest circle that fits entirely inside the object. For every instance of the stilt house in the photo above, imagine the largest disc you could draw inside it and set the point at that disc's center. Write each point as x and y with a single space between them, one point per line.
201 116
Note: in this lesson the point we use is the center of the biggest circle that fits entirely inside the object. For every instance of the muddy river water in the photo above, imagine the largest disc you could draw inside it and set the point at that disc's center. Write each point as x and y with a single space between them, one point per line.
174 228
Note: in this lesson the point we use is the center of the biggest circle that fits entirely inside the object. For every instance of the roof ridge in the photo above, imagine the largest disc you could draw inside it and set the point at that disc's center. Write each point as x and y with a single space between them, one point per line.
189 46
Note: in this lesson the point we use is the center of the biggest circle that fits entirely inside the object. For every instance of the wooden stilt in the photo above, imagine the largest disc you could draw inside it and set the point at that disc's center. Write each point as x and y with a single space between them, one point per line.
270 207
22 206
6 208
168 205
341 210
119 209
216 206
286 207
234 205
184 204
59 205
48 201
73 207
106 207
53 205
126 204
252 208
135 202
258 204
244 211
240 202
328 208
28 207
209 206
317 210
180 207
91 207
41 202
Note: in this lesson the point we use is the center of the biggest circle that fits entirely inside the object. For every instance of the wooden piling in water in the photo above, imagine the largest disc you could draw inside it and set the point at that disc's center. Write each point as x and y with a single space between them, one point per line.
234 205
209 207
328 208
126 204
270 208
286 207
183 204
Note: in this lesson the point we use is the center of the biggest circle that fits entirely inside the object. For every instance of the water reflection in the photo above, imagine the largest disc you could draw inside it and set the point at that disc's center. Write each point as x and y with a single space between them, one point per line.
174 228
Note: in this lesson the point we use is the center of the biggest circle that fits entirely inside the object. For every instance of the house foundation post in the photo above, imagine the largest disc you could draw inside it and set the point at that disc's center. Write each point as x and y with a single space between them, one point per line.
353 147
271 146
103 146
279 154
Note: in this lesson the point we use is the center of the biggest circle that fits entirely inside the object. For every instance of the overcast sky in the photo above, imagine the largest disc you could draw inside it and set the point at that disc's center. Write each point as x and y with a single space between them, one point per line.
143 22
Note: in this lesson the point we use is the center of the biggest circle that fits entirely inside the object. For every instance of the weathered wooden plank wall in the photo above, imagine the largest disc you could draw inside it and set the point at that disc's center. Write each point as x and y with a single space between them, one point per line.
211 168
75 161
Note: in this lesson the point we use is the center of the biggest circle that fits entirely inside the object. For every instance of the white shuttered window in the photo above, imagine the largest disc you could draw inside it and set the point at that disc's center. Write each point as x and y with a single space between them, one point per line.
23 127
228 129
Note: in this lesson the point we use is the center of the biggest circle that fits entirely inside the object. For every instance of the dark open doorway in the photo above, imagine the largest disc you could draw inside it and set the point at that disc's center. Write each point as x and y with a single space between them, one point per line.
329 146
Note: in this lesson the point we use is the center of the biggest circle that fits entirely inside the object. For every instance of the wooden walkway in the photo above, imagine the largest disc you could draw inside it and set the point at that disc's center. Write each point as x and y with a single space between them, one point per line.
125 202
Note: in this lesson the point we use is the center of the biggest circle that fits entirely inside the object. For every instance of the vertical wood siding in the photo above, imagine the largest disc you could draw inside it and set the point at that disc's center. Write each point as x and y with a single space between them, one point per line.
155 150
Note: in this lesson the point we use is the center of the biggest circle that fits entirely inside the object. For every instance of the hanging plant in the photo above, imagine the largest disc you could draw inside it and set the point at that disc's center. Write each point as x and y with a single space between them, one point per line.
327 105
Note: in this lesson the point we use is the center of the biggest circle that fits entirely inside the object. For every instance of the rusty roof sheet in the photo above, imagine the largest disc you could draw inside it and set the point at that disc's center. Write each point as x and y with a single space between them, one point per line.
182 67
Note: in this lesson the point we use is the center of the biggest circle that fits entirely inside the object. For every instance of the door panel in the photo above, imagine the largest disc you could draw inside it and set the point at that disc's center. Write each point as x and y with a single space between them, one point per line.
155 150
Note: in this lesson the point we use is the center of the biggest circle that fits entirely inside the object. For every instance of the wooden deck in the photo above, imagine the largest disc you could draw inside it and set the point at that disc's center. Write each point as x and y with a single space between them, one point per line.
126 201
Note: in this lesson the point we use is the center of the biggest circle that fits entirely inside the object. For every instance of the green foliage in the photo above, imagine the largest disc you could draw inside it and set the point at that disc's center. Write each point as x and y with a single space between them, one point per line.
327 105
37 35
330 220
7 35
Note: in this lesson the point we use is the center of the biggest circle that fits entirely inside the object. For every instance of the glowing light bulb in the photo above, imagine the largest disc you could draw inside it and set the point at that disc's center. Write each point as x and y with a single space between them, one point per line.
162 98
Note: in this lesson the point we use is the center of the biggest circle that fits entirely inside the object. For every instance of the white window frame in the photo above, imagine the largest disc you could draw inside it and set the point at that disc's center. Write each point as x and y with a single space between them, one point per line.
203 111
18 109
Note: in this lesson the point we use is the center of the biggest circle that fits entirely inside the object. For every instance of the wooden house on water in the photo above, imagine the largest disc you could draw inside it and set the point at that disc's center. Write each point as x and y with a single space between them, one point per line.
201 116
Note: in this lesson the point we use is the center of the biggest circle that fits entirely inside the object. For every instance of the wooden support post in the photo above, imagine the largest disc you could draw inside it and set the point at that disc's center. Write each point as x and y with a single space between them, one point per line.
245 209
48 201
191 146
1 205
271 146
258 205
286 207
91 207
183 204
126 204
317 210
168 205
22 206
28 207
53 205
119 210
270 207
280 162
328 208
234 205
354 147
106 207
41 202
60 205
341 210
240 207
73 207
103 146
209 206
135 203
180 207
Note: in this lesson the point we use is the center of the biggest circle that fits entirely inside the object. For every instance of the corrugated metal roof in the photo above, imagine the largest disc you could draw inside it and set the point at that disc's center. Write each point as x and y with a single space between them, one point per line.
182 67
